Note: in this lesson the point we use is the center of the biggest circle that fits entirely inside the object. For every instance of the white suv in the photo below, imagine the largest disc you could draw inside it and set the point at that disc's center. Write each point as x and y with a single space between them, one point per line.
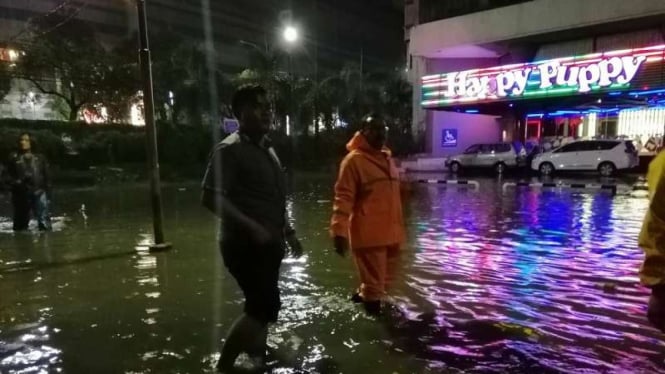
604 156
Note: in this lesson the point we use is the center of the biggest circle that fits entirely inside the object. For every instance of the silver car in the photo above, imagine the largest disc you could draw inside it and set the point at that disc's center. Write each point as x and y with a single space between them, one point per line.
496 156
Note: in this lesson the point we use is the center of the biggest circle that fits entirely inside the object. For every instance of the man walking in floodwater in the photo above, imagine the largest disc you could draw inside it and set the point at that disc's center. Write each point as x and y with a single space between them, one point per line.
652 242
244 185
367 212
28 175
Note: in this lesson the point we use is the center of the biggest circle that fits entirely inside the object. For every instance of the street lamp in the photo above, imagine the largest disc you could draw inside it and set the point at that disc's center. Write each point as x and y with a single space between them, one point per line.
290 34
151 130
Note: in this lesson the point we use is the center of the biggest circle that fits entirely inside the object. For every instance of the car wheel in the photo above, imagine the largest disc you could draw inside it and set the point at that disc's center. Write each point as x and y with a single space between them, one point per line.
546 168
500 168
455 167
607 169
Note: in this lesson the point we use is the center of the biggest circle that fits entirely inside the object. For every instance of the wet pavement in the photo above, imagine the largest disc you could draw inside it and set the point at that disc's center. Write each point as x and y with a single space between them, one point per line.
494 281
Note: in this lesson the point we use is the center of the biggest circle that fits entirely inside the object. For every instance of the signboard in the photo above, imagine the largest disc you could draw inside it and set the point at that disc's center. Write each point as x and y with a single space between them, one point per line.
610 71
230 125
449 138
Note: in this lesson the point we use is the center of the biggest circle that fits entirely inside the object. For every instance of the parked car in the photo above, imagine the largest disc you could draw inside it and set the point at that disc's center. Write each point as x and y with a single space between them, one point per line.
604 156
496 156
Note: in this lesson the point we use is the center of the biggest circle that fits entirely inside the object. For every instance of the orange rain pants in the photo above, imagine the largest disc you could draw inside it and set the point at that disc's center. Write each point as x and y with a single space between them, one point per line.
377 269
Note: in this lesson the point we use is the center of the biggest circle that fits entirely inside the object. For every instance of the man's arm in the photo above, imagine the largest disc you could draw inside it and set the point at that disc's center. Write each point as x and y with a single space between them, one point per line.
346 189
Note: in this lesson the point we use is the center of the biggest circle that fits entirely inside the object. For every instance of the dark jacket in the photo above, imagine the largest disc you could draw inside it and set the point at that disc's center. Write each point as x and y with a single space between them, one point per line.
28 172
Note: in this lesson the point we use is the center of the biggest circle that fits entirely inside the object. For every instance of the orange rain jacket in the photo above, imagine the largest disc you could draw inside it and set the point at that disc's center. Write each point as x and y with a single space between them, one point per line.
652 236
367 207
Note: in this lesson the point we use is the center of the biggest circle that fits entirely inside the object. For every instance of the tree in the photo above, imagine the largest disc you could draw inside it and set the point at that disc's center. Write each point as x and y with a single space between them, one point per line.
5 79
63 58
180 76
265 70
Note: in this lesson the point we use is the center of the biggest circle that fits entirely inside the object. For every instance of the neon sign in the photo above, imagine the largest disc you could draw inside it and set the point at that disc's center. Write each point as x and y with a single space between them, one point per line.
564 76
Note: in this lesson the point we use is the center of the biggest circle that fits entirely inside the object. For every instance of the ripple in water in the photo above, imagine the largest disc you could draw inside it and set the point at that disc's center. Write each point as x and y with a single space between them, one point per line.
534 280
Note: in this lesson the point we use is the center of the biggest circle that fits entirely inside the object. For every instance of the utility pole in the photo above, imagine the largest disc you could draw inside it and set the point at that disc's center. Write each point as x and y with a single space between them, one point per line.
151 131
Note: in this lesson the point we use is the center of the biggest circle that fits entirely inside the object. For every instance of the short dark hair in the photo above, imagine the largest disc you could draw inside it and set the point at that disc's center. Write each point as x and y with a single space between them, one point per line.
246 96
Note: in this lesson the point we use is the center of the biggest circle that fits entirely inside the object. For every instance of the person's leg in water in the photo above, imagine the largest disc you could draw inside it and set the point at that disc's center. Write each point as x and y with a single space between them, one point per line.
371 265
393 264
271 304
258 278
21 205
244 336
42 211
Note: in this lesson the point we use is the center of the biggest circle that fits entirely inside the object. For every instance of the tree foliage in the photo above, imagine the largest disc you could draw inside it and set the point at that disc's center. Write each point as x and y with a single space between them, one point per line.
63 59
5 79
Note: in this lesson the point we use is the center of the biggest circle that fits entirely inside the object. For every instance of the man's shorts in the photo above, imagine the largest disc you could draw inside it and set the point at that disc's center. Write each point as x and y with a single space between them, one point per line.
256 269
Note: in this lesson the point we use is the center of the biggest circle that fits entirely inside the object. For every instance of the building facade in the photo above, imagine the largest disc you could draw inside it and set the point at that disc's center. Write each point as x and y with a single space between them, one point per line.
536 70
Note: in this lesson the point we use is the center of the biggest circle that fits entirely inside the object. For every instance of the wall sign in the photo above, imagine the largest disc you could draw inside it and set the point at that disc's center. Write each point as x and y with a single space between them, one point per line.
230 125
449 138
564 76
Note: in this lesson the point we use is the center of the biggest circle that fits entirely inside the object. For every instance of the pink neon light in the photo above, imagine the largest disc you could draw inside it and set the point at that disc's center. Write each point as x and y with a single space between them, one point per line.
619 53
647 51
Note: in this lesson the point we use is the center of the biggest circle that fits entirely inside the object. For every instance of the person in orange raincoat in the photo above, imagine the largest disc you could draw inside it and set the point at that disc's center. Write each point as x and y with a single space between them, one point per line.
367 212
652 242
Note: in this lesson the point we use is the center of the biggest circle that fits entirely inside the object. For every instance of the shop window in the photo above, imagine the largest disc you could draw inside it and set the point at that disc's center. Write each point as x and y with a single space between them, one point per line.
608 128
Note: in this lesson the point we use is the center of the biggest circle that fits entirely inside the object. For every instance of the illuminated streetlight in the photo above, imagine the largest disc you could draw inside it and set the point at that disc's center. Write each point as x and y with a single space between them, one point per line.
290 34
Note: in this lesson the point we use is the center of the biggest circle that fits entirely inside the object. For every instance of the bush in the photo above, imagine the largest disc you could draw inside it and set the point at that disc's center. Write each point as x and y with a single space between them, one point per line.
183 150
96 145
44 142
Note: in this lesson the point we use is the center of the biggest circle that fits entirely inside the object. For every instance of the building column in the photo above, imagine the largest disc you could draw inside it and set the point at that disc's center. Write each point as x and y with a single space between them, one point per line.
418 69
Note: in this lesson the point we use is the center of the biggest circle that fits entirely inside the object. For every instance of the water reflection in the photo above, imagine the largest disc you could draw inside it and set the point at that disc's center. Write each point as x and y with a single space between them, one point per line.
539 262
521 281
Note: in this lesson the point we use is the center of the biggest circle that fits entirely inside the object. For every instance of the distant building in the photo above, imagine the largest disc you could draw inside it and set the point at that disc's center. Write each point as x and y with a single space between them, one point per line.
504 70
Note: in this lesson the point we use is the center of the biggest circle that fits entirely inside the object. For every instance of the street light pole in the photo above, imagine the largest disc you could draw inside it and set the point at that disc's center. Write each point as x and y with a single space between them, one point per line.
291 36
151 131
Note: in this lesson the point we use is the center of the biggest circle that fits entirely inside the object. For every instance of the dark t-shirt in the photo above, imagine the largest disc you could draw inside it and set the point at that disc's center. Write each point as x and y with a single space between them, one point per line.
250 176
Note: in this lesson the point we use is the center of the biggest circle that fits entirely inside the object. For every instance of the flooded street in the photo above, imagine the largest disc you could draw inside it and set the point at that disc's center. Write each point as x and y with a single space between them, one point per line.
516 281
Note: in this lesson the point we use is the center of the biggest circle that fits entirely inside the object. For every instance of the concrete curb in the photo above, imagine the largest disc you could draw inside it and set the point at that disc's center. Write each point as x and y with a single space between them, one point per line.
575 186
475 184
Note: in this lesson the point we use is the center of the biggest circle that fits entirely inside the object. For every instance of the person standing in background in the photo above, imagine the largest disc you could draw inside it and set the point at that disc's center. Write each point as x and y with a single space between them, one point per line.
30 184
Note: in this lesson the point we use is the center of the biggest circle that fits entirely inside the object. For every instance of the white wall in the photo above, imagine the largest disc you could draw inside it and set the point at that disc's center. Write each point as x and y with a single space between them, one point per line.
523 20
471 129
25 102
422 66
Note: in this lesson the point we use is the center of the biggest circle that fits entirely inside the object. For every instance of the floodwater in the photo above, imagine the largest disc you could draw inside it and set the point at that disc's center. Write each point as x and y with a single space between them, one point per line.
517 281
